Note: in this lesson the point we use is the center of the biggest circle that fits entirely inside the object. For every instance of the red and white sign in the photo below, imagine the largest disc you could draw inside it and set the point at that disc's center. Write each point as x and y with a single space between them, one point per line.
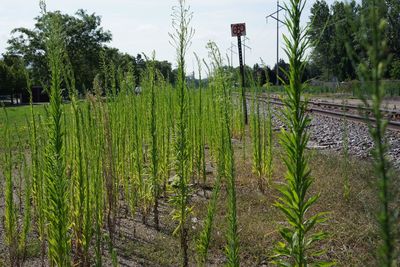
238 29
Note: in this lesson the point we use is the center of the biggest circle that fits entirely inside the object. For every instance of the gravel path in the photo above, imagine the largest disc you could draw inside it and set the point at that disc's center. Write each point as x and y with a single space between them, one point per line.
327 133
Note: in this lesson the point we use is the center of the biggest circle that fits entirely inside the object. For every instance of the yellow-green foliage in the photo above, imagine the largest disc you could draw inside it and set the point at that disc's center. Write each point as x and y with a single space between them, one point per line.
57 207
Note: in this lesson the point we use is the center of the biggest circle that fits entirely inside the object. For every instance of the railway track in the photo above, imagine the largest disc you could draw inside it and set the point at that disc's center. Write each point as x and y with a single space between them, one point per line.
327 128
351 112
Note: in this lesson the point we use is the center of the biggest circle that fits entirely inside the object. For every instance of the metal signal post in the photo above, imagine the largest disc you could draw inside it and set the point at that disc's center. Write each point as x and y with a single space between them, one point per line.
239 30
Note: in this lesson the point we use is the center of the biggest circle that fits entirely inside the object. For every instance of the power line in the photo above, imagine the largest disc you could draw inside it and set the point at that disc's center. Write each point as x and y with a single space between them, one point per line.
244 48
275 16
230 49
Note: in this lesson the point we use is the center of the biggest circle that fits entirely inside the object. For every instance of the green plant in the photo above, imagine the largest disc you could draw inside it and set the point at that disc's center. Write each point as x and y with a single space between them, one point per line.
257 139
346 163
81 211
395 69
26 214
96 143
109 174
181 38
268 141
10 213
299 245
371 72
155 184
56 181
226 153
200 158
204 239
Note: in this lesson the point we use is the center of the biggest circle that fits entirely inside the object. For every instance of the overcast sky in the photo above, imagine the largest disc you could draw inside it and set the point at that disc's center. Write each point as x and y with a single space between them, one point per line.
142 25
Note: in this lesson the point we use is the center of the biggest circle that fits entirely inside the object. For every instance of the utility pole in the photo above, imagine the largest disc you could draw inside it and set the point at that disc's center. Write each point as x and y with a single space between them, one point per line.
275 16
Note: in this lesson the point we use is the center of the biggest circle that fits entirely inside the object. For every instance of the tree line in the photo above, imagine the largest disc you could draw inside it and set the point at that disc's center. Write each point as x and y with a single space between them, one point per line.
335 28
86 45
332 29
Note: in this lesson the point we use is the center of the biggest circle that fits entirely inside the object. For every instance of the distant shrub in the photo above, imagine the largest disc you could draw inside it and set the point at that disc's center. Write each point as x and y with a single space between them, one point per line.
395 70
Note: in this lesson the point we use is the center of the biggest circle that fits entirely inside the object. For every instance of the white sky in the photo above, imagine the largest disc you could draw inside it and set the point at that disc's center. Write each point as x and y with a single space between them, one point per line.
143 25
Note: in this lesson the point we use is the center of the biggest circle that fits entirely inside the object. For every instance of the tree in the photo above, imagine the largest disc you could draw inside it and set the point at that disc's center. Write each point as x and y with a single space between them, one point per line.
393 36
393 33
85 39
5 87
330 31
283 68
12 76
333 28
320 34
165 69
345 30
395 70
124 62
259 75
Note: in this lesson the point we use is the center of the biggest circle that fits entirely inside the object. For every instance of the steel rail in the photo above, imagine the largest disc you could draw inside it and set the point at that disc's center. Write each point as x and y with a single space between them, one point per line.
393 125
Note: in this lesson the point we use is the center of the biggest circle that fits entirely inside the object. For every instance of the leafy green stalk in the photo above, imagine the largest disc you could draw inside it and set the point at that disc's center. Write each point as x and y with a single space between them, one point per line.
155 184
10 212
56 183
201 159
257 139
224 116
298 248
346 167
81 213
268 145
204 239
371 72
181 38
28 174
38 188
27 212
